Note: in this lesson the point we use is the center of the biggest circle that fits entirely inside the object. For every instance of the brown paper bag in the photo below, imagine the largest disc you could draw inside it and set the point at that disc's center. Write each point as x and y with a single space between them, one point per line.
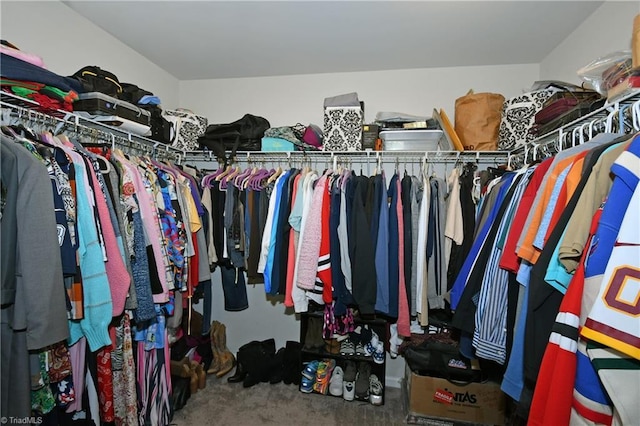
477 120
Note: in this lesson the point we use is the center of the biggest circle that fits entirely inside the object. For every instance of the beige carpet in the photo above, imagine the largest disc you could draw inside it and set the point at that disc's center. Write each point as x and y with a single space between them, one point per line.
222 403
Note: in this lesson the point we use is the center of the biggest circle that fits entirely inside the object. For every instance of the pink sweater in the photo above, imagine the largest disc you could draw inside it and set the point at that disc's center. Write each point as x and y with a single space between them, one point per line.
310 244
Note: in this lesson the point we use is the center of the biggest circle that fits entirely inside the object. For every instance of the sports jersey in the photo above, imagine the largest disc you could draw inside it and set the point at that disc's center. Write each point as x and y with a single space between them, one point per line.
614 319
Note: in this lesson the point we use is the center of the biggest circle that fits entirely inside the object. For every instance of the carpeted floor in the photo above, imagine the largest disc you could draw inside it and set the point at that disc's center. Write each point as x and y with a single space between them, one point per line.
222 403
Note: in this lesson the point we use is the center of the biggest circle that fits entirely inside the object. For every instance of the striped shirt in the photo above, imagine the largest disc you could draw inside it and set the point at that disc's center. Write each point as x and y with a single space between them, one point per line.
490 334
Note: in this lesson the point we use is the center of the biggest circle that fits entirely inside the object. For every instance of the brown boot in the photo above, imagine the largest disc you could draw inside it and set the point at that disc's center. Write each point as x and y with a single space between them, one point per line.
180 369
215 364
202 375
194 379
227 360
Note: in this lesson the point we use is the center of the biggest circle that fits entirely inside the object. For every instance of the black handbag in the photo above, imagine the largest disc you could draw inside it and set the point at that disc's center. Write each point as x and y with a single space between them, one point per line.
244 134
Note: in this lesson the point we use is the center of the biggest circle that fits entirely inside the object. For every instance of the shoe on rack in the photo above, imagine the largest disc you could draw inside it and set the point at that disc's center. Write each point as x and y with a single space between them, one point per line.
362 381
332 346
379 354
310 370
323 375
394 341
360 350
313 340
375 390
306 385
366 334
337 382
370 345
349 381
347 348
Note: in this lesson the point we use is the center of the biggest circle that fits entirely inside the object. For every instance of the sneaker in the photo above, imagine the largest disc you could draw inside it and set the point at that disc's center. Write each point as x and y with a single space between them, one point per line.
310 370
360 350
347 348
378 354
337 382
349 381
306 385
323 375
375 390
416 328
362 382
394 341
370 346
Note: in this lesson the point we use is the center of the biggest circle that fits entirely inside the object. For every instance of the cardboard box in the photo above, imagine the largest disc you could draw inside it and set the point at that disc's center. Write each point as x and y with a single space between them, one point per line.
435 398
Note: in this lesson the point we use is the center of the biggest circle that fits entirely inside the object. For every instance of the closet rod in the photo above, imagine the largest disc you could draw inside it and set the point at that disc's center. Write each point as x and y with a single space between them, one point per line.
69 121
355 156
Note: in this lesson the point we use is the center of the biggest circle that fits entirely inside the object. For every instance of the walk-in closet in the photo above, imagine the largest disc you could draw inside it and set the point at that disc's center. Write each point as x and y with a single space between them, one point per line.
303 212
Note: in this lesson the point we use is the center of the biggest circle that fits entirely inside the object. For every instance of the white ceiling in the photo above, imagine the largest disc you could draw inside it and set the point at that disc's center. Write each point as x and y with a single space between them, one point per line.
218 39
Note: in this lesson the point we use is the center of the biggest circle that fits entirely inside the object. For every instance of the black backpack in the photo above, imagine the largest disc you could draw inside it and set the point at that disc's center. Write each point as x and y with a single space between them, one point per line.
244 134
95 79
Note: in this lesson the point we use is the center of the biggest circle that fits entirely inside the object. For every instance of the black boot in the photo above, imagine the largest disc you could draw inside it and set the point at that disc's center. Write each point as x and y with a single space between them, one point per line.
268 359
277 367
254 363
291 363
239 374
241 370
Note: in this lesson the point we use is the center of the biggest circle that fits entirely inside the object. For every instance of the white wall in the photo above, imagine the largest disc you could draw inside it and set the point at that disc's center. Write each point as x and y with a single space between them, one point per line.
291 99
607 30
68 41
288 100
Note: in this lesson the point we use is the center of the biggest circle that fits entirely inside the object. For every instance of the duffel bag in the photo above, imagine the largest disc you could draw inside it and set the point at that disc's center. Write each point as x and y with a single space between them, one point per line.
244 134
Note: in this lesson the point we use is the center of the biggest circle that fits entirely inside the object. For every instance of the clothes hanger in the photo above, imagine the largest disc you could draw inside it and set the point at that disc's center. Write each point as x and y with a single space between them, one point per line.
237 180
226 171
260 177
275 175
635 115
228 177
243 184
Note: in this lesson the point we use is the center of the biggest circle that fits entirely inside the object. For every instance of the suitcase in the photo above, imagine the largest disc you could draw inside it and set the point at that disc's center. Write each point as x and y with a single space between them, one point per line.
99 104
554 110
573 114
580 94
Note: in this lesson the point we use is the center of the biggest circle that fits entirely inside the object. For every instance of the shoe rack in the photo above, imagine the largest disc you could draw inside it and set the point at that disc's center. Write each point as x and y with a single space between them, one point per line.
314 347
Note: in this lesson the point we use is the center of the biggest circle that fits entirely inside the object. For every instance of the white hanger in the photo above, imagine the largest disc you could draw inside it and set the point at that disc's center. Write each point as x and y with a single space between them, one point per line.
582 139
573 136
635 114
609 122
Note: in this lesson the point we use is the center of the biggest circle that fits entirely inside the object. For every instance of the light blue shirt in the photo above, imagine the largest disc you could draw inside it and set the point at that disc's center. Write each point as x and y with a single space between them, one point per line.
268 267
